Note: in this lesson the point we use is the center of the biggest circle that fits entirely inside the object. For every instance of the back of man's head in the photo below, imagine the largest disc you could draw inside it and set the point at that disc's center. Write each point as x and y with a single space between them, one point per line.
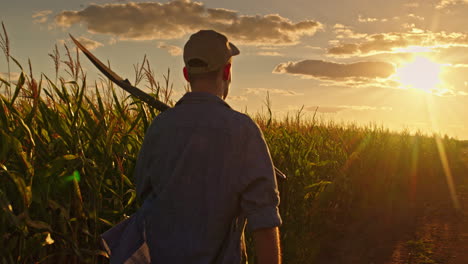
206 54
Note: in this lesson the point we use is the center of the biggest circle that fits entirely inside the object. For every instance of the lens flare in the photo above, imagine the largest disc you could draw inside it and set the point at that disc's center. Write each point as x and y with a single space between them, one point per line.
74 177
442 153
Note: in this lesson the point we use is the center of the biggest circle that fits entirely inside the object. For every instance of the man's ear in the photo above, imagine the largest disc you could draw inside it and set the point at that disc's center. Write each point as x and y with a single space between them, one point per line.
186 75
227 72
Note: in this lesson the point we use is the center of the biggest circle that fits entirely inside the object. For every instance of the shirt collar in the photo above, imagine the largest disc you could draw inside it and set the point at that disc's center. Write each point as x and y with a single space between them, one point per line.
201 97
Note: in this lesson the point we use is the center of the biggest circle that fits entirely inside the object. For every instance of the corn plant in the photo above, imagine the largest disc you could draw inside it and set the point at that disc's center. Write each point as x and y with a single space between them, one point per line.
68 148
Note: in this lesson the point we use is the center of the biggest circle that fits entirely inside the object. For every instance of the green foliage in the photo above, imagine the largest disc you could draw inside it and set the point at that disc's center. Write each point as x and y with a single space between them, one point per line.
66 160
67 157
340 176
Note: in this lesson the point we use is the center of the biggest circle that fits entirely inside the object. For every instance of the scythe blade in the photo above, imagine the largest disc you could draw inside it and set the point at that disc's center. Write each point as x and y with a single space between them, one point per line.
124 84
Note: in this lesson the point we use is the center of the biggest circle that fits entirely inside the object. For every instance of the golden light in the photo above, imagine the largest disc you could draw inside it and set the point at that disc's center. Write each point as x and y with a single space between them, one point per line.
413 49
424 74
421 73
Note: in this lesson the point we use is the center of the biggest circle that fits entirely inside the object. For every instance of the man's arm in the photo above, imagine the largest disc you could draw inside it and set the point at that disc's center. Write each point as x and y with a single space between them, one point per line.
260 196
267 245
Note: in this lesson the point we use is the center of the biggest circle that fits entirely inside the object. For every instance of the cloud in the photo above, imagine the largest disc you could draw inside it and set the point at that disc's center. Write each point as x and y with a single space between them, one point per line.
41 17
410 16
173 50
337 71
268 47
269 53
345 32
339 108
313 47
396 58
89 43
175 19
221 14
390 42
446 3
362 19
324 109
450 55
408 25
236 98
416 17
257 91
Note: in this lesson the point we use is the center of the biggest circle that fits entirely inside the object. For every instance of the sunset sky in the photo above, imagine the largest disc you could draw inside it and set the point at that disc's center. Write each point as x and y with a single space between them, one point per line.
401 64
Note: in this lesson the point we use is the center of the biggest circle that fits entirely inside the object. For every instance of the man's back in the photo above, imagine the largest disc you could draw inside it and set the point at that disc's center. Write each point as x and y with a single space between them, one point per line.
205 168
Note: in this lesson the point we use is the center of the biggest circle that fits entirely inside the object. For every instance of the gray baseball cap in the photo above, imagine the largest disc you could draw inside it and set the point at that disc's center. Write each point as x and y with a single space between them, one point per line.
210 47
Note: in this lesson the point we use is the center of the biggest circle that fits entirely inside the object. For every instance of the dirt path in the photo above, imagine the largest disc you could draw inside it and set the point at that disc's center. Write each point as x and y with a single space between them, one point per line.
433 232
460 245
441 238
442 235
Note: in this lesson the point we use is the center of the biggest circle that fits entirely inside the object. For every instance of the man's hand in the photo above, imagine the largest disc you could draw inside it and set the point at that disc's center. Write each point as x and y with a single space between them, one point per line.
267 245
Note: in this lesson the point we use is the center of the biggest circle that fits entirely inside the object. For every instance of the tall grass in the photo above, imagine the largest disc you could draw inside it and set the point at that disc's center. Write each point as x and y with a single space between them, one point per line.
67 156
66 164
345 178
5 46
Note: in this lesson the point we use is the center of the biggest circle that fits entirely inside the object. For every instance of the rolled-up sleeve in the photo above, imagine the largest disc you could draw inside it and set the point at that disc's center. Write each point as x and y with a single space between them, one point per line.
259 195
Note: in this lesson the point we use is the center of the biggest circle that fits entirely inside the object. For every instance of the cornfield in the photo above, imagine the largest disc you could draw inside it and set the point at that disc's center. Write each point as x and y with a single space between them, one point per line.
68 149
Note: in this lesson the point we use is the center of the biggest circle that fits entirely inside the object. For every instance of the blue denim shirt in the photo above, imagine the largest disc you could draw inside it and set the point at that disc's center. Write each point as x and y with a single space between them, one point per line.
205 173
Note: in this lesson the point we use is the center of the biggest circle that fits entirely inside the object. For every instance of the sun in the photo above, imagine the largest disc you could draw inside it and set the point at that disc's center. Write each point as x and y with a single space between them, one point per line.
421 73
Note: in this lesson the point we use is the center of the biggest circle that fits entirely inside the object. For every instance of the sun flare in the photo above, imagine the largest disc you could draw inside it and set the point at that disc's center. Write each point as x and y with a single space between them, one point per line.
421 73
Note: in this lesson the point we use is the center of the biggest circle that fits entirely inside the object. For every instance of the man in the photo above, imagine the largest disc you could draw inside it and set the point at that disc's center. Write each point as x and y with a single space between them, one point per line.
204 170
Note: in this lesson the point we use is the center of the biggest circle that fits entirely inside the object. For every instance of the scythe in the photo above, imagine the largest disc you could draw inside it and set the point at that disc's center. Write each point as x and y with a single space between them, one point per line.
125 84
